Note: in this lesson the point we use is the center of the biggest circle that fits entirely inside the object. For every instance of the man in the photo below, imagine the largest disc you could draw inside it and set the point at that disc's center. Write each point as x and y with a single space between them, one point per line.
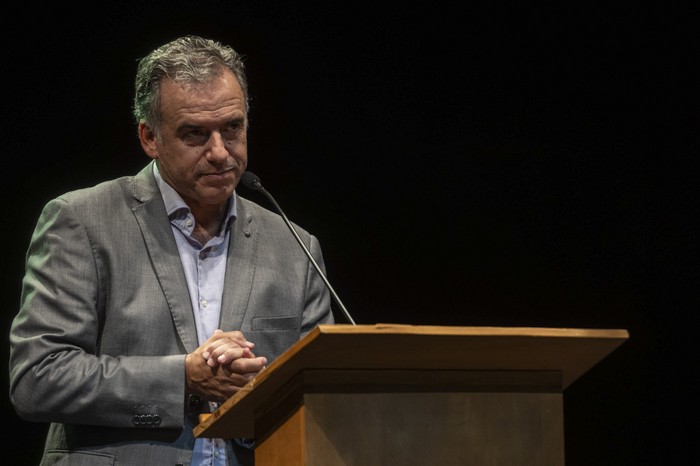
149 299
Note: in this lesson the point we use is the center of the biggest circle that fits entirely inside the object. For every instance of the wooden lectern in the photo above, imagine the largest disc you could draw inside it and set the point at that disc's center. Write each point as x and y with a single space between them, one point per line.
405 395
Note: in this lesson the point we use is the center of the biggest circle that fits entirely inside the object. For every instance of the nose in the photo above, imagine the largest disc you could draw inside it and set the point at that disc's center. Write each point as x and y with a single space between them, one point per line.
217 152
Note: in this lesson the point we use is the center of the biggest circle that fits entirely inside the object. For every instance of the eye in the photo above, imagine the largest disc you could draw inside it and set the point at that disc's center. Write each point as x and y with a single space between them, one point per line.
195 136
233 130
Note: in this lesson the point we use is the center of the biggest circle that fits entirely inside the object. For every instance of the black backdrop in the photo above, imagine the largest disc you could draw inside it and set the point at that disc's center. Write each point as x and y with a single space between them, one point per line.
475 164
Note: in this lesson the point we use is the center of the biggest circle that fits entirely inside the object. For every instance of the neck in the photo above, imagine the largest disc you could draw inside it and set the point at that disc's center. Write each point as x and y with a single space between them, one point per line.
208 221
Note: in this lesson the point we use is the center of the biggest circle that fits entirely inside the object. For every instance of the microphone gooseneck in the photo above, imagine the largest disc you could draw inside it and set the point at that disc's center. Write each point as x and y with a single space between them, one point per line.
251 181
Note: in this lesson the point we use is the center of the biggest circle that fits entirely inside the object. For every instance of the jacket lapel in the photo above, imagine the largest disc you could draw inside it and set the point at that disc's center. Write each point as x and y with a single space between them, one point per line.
158 236
240 267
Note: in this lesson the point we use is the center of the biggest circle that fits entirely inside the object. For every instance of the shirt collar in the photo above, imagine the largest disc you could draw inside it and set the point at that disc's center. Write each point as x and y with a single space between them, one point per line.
176 207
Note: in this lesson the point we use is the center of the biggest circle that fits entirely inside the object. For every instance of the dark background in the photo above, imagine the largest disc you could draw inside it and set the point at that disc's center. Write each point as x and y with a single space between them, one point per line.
461 163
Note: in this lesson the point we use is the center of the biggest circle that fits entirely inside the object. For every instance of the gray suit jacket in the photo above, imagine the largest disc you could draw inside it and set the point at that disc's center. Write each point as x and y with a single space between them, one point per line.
98 346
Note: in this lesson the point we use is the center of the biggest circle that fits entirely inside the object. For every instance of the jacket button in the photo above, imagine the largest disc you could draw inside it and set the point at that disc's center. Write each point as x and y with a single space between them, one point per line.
194 401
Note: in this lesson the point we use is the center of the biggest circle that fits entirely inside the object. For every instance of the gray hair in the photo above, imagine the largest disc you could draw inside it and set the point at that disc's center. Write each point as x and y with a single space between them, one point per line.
187 60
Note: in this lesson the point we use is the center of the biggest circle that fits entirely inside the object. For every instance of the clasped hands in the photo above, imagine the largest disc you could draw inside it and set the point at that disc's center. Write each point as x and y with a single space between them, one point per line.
222 365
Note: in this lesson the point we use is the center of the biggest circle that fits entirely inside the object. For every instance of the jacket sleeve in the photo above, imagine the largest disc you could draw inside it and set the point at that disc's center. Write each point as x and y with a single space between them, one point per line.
317 309
57 370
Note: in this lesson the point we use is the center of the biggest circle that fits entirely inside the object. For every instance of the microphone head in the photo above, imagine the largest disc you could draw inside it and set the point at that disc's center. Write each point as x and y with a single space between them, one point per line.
250 180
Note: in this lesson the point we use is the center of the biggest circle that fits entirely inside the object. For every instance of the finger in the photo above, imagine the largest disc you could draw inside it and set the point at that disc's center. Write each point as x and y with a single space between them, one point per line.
228 355
213 347
219 338
232 354
218 347
247 365
227 352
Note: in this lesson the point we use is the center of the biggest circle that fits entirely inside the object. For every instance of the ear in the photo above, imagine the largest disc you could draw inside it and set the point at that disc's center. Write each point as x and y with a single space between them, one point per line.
148 140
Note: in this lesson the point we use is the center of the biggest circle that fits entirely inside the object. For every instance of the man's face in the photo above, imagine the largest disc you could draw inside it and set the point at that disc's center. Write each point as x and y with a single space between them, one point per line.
202 149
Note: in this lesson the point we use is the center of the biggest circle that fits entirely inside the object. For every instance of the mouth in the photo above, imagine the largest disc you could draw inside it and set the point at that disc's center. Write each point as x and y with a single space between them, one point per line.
219 176
219 173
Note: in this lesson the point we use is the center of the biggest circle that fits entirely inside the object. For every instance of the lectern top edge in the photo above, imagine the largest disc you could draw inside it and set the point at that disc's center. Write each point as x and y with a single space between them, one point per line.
395 328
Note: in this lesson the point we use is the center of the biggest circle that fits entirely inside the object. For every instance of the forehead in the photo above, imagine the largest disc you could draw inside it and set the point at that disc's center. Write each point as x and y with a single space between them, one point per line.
219 97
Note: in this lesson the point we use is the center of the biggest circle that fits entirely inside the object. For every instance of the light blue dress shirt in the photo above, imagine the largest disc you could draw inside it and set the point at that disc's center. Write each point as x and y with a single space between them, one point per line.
204 266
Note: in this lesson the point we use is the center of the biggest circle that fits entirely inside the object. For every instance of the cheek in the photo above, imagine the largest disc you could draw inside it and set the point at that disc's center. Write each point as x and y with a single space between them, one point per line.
182 168
237 146
242 159
239 152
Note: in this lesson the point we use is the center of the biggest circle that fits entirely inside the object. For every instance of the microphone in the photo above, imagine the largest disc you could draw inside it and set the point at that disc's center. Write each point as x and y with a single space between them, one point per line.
251 181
